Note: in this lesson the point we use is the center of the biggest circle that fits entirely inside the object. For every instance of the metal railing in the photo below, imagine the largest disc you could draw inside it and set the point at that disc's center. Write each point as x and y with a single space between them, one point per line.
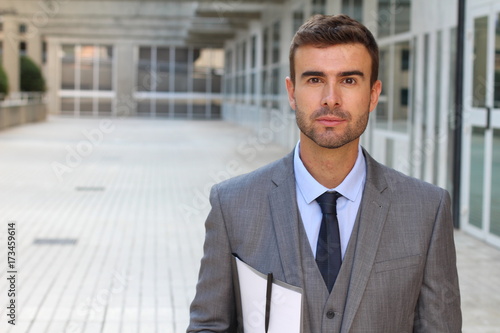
21 98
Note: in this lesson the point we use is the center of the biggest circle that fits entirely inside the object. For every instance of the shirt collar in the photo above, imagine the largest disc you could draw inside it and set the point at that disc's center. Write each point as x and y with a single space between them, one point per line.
310 189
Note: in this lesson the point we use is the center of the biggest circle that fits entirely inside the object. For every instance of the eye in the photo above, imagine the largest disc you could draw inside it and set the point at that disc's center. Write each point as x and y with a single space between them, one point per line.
314 80
349 80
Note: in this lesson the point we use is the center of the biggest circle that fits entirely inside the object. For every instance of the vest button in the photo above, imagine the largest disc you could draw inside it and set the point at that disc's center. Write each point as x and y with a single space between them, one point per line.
330 314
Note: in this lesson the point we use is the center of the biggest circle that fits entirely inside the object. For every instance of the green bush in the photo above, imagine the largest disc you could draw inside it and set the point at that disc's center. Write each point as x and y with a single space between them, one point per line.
31 76
4 83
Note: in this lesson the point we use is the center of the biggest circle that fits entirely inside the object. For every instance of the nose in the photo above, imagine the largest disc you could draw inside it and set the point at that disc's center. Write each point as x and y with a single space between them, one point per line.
331 96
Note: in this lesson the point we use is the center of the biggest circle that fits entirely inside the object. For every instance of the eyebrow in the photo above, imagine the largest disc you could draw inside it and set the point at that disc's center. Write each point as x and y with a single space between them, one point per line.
341 74
351 73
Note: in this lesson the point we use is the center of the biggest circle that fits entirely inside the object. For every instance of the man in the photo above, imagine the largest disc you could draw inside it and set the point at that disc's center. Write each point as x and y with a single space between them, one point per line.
395 269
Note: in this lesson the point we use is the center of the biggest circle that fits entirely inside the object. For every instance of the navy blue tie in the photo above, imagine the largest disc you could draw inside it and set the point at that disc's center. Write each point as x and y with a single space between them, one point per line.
328 252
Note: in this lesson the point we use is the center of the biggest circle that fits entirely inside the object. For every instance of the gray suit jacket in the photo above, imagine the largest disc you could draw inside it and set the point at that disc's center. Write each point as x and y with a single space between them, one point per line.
401 271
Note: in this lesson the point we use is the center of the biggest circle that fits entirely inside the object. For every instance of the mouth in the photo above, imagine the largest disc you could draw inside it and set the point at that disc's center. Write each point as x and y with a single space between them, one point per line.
329 121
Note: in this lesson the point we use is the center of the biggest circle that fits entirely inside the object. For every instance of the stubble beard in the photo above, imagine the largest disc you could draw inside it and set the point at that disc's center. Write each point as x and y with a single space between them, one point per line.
331 137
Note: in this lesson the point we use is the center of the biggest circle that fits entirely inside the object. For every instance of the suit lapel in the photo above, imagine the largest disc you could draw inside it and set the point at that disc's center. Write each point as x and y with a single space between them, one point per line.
372 216
284 212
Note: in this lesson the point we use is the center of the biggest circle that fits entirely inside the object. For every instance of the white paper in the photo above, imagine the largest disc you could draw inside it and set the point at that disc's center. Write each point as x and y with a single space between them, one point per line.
286 302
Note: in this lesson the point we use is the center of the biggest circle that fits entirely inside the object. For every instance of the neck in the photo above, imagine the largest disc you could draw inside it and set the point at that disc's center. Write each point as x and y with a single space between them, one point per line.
328 166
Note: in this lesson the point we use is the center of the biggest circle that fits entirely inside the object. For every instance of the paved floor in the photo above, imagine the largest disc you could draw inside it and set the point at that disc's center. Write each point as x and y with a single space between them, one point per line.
109 224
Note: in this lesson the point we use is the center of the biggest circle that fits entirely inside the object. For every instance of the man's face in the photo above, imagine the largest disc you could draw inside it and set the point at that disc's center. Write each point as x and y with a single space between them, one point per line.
332 95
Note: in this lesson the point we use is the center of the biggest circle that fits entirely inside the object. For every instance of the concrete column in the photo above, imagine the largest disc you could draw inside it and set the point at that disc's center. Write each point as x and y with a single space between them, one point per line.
10 58
54 78
124 69
34 46
370 16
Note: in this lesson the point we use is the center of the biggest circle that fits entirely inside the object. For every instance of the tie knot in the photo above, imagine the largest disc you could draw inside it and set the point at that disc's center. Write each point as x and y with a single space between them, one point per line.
328 202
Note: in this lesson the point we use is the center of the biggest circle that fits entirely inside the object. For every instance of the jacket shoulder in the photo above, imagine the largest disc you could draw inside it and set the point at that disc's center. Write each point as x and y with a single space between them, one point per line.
259 179
401 186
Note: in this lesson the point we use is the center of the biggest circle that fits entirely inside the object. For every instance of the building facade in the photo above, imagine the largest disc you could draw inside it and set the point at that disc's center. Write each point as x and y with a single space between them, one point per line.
210 59
115 58
413 127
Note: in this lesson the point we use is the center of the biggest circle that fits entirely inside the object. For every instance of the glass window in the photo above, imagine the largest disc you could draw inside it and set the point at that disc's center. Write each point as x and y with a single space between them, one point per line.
216 80
104 106
163 69
67 104
217 69
265 83
144 107
382 114
480 56
402 13
22 48
243 56
393 17
357 10
23 28
105 54
229 62
86 106
276 43
241 84
199 108
144 69
476 177
384 18
415 105
181 108
389 152
253 52
86 56
451 105
497 64
394 72
319 7
426 102
437 108
252 83
495 185
265 46
68 67
298 19
276 81
228 75
353 8
401 86
201 65
215 108
181 69
162 107
44 52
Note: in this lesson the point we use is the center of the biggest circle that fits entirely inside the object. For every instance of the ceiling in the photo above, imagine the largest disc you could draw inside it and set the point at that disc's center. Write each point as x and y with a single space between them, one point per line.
198 23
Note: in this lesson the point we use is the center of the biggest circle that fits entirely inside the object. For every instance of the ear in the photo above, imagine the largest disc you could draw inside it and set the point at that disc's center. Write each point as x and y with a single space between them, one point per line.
290 88
375 91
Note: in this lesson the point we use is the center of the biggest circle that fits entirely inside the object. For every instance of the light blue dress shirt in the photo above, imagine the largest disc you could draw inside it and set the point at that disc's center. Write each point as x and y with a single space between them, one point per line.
308 189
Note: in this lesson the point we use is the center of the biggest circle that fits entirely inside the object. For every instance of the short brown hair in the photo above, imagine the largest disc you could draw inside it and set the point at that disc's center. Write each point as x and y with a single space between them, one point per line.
328 30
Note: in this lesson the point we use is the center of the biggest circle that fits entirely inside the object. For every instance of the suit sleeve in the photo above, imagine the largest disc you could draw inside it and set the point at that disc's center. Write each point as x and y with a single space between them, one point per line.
438 308
213 308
